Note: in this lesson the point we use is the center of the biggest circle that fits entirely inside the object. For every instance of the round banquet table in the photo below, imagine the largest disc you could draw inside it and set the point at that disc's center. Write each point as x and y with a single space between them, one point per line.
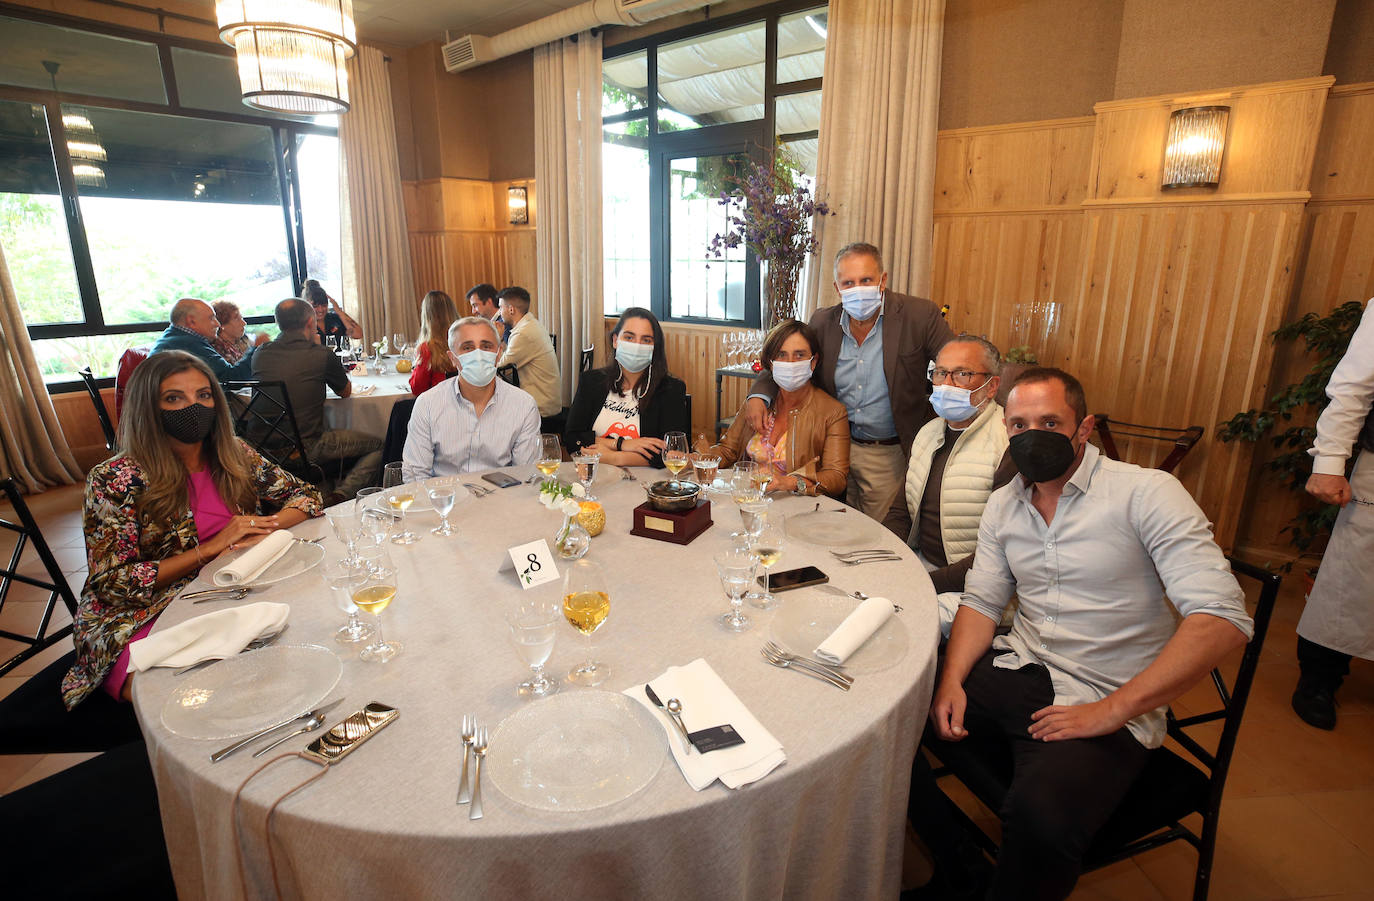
383 823
368 414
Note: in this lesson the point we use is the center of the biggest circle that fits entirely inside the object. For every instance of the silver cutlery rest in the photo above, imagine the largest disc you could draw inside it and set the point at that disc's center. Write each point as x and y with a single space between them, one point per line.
338 742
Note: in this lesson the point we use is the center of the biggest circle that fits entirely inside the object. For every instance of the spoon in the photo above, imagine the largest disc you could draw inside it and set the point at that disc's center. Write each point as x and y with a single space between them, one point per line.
674 707
311 725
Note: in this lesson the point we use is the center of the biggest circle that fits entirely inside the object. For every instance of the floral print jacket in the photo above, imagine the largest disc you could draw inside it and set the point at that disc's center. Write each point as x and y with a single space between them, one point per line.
123 548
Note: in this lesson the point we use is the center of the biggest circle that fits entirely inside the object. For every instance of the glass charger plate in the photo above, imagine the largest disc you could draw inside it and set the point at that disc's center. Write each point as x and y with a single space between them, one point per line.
831 528
251 691
605 473
804 622
575 751
299 557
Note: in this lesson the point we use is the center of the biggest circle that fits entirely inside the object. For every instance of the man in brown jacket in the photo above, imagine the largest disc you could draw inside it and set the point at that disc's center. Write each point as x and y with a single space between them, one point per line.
876 347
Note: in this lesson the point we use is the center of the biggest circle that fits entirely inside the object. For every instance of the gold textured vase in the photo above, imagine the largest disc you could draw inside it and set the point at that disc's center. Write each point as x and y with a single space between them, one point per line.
592 517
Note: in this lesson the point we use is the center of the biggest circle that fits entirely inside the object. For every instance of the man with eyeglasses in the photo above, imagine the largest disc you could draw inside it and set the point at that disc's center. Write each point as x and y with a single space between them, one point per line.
875 347
957 461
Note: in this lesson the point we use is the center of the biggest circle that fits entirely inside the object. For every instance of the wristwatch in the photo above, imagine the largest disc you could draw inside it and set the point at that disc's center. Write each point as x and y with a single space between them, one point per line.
619 442
799 489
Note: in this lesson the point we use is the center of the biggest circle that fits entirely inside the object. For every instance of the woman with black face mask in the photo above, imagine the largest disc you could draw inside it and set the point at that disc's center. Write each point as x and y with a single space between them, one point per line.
183 490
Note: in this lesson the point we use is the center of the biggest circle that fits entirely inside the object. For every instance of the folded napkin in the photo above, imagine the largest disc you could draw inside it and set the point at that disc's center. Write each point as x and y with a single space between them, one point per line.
219 634
707 701
364 390
260 556
857 628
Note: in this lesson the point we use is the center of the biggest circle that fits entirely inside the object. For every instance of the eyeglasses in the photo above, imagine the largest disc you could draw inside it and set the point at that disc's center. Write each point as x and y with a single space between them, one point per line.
964 378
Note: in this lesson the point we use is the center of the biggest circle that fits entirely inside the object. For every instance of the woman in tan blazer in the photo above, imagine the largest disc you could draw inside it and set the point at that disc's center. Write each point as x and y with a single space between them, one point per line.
806 431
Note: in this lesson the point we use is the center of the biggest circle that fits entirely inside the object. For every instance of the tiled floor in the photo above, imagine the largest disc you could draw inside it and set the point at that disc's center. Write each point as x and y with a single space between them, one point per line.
1298 821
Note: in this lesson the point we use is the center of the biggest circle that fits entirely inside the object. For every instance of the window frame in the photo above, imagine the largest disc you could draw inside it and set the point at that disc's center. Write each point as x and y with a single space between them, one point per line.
708 140
284 135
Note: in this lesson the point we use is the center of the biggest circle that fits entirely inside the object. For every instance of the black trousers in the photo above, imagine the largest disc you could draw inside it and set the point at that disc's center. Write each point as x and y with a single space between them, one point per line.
1061 793
1321 665
33 719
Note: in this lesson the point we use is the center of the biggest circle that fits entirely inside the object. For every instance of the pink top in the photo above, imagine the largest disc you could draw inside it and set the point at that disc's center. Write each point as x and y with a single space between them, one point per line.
211 514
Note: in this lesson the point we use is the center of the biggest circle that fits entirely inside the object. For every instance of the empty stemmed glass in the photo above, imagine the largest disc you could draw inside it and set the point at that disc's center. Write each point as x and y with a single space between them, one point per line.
339 575
550 455
373 589
675 452
586 460
442 494
586 604
344 520
398 341
754 515
533 624
376 521
736 569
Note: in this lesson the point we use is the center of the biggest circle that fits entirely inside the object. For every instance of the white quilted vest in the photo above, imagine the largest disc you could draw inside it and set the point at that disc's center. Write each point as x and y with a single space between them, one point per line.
967 482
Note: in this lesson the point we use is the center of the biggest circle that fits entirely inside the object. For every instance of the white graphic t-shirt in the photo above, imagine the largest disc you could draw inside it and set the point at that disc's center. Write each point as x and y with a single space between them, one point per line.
619 417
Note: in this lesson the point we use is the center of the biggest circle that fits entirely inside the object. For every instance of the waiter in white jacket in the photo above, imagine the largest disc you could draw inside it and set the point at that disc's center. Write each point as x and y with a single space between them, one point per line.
1338 622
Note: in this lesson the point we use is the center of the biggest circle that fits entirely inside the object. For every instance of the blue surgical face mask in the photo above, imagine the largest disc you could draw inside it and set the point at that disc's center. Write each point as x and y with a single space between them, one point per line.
861 301
954 404
634 357
791 375
478 367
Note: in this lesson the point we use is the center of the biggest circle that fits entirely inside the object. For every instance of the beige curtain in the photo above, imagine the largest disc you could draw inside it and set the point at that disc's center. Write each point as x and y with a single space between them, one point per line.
376 252
33 449
567 169
879 114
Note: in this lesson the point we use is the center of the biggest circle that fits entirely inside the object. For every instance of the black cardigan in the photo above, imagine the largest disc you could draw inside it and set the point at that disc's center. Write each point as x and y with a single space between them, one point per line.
666 412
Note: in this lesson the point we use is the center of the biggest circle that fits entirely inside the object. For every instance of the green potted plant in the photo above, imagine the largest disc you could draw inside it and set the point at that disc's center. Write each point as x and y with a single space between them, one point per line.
1326 338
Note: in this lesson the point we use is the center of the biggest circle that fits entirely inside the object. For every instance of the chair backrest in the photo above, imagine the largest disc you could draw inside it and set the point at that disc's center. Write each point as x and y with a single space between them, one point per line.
1182 440
101 413
688 401
397 427
26 532
587 353
509 374
267 421
128 362
553 339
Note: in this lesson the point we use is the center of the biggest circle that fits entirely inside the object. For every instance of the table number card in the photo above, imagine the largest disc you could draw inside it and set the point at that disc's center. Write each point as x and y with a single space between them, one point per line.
532 562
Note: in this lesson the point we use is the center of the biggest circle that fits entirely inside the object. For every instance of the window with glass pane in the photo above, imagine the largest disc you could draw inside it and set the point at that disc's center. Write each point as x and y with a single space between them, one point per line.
624 84
801 45
701 286
60 358
87 63
211 81
189 208
625 215
33 226
712 79
317 169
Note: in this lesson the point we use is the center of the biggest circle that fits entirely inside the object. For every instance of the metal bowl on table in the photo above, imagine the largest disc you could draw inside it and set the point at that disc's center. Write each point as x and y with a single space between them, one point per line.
672 495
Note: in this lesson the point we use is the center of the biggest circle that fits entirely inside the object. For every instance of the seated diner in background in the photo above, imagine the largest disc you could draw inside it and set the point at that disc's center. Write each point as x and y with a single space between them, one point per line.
475 422
806 442
626 407
183 490
193 327
432 362
330 319
482 302
530 350
231 339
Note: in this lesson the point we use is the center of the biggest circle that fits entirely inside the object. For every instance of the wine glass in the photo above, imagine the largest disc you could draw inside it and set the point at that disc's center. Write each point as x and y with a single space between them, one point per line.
704 465
586 460
339 575
763 471
533 626
343 519
375 518
675 452
397 342
766 547
399 497
332 342
736 569
743 488
586 604
754 514
373 589
442 494
550 455
727 341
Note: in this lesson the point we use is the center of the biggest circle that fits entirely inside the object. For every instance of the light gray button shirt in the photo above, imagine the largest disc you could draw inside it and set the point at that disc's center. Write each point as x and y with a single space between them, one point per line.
447 437
1096 586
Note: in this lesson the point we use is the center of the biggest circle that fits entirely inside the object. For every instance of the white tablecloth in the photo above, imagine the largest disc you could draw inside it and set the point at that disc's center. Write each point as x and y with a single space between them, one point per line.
383 823
369 414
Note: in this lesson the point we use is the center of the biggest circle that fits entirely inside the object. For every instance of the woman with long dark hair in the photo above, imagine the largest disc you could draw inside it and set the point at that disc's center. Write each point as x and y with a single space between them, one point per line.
183 490
432 362
625 408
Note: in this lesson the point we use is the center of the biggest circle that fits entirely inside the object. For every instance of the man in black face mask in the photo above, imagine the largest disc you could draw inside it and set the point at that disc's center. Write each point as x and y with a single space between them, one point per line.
1096 551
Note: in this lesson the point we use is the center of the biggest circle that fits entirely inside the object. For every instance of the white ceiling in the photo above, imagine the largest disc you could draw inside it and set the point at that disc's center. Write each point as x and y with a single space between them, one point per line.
409 22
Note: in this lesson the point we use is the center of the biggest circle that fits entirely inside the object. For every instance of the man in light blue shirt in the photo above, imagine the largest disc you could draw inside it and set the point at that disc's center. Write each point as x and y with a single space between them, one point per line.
475 422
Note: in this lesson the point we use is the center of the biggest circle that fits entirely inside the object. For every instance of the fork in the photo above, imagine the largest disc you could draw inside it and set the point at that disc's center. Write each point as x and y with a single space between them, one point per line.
887 558
479 748
815 674
469 731
861 552
477 490
779 651
254 645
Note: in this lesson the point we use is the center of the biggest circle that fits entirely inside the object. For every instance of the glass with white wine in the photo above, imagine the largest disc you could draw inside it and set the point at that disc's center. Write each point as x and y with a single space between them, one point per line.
766 547
373 589
586 604
533 623
675 452
399 500
442 495
550 455
763 472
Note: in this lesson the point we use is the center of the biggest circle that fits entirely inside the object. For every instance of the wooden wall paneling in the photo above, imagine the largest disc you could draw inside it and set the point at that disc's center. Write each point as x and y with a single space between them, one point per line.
1027 166
1342 167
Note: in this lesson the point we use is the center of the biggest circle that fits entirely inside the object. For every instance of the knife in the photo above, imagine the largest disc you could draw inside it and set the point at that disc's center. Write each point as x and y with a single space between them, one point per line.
244 742
676 722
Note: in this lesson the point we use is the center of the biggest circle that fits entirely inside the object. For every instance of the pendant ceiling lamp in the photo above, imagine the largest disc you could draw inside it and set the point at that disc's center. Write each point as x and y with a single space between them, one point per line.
291 52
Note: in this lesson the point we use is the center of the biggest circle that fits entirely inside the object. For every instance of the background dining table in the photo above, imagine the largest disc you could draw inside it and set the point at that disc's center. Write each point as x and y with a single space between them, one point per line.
383 822
369 413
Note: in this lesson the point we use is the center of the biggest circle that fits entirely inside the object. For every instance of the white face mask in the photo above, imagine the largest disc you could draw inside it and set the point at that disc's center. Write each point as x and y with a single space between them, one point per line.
477 367
634 357
792 375
861 301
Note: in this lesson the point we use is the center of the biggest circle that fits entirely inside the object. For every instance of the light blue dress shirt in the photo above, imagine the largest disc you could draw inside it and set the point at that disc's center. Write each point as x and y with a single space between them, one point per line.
862 384
447 437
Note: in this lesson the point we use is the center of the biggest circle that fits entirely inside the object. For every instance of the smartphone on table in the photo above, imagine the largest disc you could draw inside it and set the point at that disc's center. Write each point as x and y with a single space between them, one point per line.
801 577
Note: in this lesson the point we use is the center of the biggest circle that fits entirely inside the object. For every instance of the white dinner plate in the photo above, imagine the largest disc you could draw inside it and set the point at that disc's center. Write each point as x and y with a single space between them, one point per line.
300 557
248 692
833 528
804 621
576 751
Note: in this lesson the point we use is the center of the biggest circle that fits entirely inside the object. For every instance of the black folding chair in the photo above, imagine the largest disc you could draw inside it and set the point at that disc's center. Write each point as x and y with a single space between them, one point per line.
397 427
101 411
1170 788
509 373
1182 440
27 533
267 421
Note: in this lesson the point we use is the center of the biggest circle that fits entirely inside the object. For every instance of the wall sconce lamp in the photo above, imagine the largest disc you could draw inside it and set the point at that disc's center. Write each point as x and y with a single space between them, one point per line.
1192 153
517 204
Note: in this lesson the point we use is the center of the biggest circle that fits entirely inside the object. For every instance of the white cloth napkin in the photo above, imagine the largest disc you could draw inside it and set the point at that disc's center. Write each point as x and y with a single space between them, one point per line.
707 701
857 628
219 634
260 556
364 390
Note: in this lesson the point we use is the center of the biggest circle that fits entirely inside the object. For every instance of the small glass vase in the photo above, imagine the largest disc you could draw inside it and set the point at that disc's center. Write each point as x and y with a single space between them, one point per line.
572 540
